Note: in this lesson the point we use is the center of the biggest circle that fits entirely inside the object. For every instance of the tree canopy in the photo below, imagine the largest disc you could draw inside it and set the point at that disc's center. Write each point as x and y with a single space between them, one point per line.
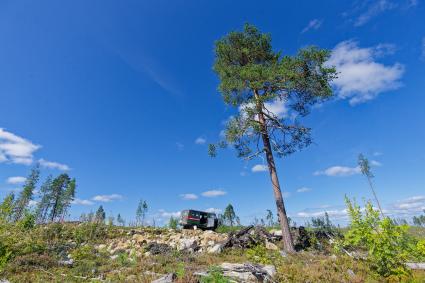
252 75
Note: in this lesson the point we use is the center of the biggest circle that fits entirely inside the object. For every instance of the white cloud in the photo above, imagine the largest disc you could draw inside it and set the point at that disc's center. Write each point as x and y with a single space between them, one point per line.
32 203
408 206
78 201
372 10
16 180
213 210
360 77
259 168
276 107
303 190
107 198
214 193
286 194
189 196
16 149
313 24
375 163
339 171
166 214
53 165
200 140
332 213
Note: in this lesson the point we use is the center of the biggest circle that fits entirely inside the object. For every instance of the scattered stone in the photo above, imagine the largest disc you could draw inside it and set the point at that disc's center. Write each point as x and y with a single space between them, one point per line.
216 249
157 248
247 272
271 246
188 245
350 273
416 265
169 278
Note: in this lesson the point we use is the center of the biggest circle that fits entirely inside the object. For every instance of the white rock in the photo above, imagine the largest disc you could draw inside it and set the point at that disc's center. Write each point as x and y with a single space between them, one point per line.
271 246
169 278
216 249
276 232
186 244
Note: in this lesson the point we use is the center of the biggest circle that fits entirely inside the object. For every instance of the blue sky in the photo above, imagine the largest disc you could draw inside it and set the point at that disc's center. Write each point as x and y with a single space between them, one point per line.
122 96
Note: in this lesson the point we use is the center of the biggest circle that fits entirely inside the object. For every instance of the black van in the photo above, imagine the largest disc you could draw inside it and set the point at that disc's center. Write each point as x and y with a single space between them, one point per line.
193 219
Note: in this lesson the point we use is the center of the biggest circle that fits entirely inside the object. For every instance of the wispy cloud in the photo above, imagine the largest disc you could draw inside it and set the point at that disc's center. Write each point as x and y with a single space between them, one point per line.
167 214
342 213
303 190
16 180
214 193
409 206
189 196
78 201
375 163
200 140
180 146
16 149
372 10
213 210
277 107
338 171
361 77
313 24
107 198
53 165
259 168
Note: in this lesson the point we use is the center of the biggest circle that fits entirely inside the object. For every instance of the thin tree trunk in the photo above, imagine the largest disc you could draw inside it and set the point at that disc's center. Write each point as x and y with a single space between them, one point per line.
374 194
284 225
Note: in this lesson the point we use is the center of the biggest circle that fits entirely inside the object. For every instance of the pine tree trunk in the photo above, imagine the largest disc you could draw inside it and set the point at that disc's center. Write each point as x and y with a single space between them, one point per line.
283 218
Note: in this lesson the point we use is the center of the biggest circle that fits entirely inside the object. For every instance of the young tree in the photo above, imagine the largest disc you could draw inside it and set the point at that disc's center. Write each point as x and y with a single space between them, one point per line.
68 197
100 215
365 169
269 218
61 193
173 223
229 215
257 81
44 204
120 220
111 220
6 207
26 194
142 208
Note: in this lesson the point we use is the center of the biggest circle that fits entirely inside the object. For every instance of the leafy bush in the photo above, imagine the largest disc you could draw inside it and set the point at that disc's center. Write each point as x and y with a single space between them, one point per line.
91 231
420 250
84 253
27 262
28 221
215 275
5 255
259 254
386 243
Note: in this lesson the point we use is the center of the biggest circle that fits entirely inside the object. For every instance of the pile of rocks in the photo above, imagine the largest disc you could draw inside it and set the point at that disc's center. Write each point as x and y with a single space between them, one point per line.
150 241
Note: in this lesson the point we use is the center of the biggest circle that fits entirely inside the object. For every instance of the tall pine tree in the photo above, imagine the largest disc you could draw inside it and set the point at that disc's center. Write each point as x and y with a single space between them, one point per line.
260 82
26 195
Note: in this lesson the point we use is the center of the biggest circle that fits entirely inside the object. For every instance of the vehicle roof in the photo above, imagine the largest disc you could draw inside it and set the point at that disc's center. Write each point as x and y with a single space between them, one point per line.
195 210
